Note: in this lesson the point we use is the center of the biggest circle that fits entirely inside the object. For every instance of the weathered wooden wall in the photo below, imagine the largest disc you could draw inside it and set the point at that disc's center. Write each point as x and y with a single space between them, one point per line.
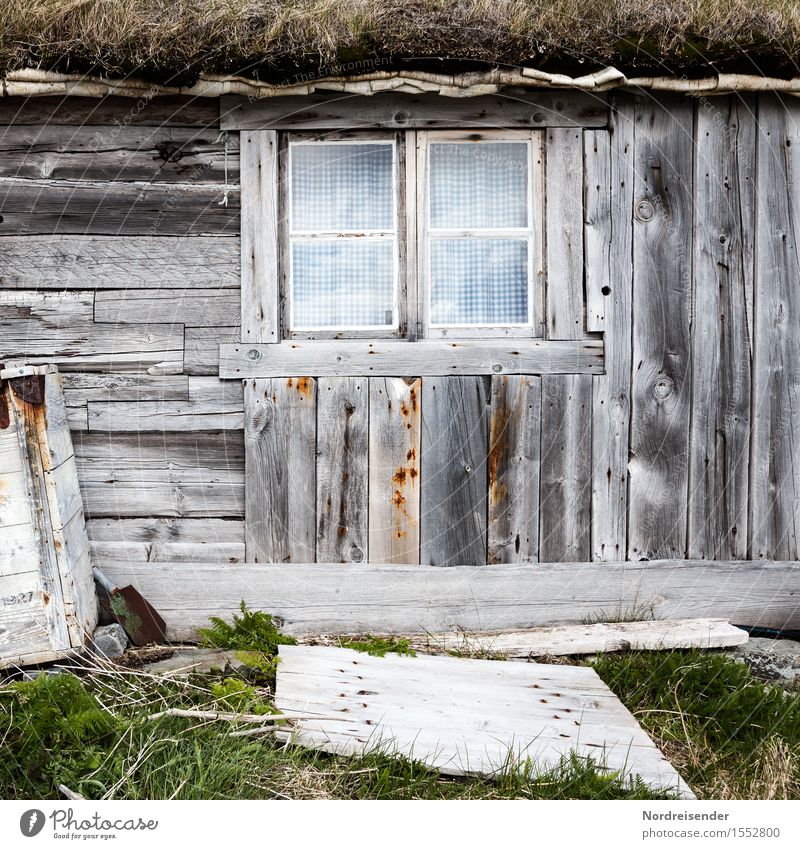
120 262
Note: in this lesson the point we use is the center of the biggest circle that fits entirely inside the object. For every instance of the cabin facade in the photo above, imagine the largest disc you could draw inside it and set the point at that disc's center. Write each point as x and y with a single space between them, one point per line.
410 329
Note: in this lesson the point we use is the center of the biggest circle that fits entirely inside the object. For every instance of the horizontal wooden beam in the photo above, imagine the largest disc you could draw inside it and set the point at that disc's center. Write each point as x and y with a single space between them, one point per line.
400 359
328 598
400 111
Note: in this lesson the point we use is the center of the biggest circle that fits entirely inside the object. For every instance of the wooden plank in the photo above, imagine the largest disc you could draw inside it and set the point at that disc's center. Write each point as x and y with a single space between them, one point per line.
109 262
514 459
721 330
565 486
609 274
466 716
180 531
401 111
453 470
564 229
189 475
104 554
342 469
398 359
191 307
662 288
96 152
82 387
259 274
394 463
372 598
167 110
201 348
775 465
565 640
280 459
36 207
164 416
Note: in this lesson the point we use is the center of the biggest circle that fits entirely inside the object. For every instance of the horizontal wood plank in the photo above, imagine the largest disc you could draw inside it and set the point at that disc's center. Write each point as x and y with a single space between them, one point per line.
404 359
401 111
201 348
166 416
82 387
190 307
372 598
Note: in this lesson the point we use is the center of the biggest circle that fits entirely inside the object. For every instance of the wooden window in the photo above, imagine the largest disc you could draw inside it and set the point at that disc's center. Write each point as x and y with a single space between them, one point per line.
461 259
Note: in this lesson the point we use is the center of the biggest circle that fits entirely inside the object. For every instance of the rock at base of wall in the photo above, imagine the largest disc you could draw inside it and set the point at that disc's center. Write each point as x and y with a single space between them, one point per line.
109 641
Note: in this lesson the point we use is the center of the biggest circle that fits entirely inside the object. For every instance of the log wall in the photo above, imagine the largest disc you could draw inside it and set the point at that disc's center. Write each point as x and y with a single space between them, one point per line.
120 261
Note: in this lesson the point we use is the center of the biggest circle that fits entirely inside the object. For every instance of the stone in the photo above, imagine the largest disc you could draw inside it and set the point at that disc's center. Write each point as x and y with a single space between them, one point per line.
771 659
187 659
109 641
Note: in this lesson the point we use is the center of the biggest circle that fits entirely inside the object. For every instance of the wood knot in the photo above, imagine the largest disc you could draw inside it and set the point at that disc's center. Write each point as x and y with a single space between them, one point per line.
644 210
664 387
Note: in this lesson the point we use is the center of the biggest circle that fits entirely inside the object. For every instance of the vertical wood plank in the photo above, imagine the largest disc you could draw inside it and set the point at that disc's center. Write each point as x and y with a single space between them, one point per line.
342 456
721 328
514 438
661 385
775 464
280 464
394 452
609 180
564 228
259 268
565 488
454 454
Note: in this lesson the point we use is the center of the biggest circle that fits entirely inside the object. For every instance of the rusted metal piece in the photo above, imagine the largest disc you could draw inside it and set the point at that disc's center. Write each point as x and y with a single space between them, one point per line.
5 413
29 388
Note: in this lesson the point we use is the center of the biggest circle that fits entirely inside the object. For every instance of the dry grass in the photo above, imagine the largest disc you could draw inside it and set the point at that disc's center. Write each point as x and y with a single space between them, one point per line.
174 42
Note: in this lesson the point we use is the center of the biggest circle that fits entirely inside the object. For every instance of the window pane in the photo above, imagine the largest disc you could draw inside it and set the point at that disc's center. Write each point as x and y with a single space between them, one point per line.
479 281
342 187
481 184
342 283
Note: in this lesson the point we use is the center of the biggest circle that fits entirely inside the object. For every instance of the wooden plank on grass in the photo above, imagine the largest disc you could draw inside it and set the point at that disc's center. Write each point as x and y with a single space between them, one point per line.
342 469
463 717
394 462
722 329
325 598
662 292
455 417
280 428
514 459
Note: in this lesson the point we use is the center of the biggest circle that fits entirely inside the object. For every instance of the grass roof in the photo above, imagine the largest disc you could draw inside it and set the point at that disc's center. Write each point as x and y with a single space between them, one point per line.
274 40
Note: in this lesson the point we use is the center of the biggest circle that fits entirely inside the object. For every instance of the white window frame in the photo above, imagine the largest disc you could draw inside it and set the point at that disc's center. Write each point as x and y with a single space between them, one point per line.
412 235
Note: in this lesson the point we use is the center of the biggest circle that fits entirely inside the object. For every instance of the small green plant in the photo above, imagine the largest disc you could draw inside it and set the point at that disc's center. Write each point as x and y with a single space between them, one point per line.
379 646
236 695
253 636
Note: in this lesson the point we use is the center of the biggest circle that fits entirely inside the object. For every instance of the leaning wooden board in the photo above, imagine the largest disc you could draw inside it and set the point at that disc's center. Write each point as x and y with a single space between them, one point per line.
464 717
47 598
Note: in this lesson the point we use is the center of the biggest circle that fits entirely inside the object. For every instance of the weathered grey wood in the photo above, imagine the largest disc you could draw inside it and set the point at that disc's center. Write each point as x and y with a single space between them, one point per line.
363 598
173 474
160 154
82 387
775 465
201 348
514 459
37 207
260 248
462 716
164 416
280 486
724 191
57 327
208 532
454 470
565 485
564 228
394 463
342 469
609 276
108 262
564 640
106 553
191 307
399 359
662 287
400 111
168 110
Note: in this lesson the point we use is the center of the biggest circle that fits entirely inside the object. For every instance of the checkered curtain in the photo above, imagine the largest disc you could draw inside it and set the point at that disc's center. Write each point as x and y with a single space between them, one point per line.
478 186
342 282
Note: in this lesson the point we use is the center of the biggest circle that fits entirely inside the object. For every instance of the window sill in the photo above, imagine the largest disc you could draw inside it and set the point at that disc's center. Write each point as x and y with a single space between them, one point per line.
342 358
